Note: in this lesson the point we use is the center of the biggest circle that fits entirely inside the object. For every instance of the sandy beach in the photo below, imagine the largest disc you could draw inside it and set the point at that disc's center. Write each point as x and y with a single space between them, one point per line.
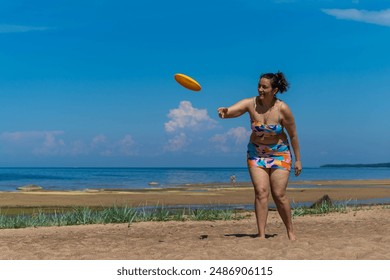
357 234
205 194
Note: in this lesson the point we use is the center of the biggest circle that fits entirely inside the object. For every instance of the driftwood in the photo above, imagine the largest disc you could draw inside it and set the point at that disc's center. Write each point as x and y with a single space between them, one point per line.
323 200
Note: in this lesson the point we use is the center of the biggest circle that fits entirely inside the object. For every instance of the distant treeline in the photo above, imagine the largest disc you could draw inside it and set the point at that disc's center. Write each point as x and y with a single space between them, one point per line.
358 165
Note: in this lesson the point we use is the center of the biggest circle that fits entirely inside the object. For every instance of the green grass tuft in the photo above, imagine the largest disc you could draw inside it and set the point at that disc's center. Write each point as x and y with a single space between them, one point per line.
114 214
323 208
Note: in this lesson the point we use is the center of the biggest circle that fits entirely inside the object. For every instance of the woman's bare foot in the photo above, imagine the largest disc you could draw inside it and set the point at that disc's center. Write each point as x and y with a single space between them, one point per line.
261 236
291 236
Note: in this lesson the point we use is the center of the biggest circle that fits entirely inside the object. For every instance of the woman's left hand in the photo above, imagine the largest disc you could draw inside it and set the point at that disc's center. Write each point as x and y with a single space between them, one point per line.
298 168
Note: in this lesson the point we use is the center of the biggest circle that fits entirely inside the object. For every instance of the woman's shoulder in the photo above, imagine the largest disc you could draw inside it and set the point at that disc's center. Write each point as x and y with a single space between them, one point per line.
248 101
284 109
282 105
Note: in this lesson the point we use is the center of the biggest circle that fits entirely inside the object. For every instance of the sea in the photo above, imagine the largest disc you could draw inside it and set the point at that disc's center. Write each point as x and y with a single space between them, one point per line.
67 179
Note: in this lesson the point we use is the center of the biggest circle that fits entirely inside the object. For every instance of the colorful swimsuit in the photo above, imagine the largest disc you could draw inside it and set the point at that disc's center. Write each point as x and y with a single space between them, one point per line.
268 155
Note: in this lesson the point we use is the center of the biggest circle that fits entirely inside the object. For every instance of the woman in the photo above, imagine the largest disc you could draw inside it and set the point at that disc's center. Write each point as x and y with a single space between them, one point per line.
268 156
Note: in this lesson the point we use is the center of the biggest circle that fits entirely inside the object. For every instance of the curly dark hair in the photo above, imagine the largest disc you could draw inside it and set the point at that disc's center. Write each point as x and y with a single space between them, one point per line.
278 80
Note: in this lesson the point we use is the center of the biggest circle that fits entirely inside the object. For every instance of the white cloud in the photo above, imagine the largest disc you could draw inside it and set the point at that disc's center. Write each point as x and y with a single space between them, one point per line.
187 116
239 134
98 144
21 136
38 142
381 17
7 28
51 143
77 147
98 140
125 146
177 143
231 140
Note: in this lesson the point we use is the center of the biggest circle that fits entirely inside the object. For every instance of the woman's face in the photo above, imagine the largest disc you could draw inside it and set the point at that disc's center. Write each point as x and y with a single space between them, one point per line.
265 89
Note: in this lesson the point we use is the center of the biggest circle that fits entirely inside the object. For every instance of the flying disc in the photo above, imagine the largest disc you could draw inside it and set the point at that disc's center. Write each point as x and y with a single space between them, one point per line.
187 82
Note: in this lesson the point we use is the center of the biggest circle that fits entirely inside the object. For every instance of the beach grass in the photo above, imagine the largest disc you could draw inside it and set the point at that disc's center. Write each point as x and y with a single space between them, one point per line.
323 208
114 214
119 214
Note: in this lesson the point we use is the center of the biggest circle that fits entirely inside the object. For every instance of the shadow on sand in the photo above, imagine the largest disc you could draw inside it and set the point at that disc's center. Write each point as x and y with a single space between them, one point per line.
250 235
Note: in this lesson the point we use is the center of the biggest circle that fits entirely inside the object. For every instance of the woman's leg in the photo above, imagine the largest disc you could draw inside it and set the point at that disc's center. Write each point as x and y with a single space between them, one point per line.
261 183
279 181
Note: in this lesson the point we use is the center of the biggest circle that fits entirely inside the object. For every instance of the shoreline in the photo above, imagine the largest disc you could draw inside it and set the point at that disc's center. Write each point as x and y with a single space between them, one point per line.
196 194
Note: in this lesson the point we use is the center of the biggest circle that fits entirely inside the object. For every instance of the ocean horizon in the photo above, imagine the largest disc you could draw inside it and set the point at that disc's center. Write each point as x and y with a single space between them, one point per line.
81 178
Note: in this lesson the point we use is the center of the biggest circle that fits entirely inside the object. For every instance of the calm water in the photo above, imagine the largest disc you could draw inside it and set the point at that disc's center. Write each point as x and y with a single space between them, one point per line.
131 178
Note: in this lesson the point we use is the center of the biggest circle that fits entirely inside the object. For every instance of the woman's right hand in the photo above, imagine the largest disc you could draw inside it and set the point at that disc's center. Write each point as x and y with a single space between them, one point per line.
222 112
298 168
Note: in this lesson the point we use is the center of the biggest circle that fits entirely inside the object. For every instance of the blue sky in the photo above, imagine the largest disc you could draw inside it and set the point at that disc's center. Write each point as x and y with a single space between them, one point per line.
90 83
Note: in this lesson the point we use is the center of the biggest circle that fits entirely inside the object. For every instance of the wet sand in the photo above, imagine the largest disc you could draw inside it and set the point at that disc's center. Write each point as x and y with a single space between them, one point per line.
204 194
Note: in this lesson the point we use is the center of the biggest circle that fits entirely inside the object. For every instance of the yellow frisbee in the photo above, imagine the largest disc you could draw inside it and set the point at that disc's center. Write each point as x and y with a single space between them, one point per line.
187 82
